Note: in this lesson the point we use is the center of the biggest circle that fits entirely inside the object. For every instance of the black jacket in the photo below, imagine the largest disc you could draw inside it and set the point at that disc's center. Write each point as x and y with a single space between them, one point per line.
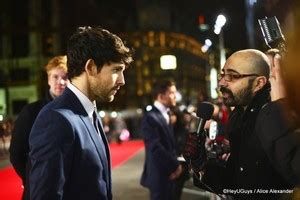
19 147
249 172
280 128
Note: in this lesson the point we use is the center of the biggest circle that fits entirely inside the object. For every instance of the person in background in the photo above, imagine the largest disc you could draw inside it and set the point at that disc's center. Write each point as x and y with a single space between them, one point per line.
161 167
8 126
106 122
291 68
181 124
2 140
279 121
69 151
19 149
278 124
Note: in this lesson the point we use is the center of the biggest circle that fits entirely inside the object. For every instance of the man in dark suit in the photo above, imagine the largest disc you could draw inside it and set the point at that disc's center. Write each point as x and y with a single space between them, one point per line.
19 148
161 167
68 148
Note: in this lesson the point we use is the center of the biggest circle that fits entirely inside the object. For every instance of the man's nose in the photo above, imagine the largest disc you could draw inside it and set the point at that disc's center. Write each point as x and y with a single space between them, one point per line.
222 82
121 79
61 81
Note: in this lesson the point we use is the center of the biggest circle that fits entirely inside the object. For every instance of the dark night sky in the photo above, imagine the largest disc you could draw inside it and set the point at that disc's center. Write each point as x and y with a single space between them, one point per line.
120 16
234 29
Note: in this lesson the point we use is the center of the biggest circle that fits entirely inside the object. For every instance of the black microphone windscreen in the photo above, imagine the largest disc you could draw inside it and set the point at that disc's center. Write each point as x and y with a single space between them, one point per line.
205 110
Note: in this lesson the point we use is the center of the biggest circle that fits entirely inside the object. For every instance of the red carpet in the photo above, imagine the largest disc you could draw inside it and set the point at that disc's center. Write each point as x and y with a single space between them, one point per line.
120 153
10 183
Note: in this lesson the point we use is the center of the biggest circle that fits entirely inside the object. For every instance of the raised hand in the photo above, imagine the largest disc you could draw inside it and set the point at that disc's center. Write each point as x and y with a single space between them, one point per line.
276 79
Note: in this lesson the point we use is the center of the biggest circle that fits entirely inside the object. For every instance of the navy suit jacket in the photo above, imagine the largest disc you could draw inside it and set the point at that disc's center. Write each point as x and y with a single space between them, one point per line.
161 159
69 159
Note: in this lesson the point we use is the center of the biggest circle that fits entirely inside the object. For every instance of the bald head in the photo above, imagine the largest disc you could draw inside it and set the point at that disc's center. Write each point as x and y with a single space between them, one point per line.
250 61
245 74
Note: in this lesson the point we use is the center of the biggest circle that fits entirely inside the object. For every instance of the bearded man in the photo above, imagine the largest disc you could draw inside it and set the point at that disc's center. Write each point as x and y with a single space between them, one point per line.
69 151
249 172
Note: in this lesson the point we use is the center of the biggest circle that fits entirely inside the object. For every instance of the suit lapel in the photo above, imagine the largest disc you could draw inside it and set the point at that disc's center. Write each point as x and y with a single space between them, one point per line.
167 127
95 137
105 142
160 117
77 107
162 120
104 139
100 144
101 147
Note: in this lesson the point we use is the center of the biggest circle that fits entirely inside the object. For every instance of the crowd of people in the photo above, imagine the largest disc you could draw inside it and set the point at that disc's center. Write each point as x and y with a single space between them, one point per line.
6 127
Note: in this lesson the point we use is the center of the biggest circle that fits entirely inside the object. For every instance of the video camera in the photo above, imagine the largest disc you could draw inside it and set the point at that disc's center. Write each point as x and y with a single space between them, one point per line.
270 28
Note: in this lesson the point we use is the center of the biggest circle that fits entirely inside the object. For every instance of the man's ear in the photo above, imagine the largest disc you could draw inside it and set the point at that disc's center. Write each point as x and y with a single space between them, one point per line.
159 97
260 83
90 67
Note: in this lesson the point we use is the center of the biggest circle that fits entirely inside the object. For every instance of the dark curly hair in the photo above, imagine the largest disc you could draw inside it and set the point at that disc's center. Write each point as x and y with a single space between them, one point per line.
97 44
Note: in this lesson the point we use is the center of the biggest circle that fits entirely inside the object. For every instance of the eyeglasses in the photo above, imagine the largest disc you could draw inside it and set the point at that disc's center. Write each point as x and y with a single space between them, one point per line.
230 77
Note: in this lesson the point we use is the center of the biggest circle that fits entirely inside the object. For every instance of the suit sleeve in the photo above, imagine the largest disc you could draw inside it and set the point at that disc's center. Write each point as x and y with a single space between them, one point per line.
51 141
281 140
163 158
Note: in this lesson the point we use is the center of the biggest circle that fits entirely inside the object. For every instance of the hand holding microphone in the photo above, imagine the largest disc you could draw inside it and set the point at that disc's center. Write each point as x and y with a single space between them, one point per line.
194 151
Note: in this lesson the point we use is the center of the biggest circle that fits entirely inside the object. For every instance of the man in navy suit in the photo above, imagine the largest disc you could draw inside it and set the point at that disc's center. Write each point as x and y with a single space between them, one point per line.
161 167
68 148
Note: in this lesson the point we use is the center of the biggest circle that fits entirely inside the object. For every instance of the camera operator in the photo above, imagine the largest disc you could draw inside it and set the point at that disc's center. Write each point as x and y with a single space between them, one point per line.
248 173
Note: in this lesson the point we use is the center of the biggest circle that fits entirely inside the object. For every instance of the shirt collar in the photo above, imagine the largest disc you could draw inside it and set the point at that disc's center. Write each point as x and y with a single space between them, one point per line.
161 107
89 106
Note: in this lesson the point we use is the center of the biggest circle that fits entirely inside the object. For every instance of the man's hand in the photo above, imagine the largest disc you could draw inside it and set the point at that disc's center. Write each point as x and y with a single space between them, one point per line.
277 84
176 173
194 152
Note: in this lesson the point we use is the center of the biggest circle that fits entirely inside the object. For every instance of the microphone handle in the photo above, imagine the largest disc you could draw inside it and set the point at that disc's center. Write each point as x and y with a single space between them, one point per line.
200 127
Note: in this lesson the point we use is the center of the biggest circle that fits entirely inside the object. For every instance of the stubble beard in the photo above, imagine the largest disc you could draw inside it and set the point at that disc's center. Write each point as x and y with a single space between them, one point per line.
100 93
107 98
241 98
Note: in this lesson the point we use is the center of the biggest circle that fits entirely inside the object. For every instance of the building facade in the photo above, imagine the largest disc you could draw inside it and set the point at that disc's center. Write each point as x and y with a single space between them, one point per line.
32 31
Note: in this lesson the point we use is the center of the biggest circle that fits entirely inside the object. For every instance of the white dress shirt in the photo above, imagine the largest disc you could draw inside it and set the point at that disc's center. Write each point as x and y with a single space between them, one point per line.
163 109
89 106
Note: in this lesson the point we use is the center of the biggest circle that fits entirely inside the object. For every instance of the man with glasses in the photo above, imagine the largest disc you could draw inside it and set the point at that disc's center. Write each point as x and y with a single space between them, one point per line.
248 172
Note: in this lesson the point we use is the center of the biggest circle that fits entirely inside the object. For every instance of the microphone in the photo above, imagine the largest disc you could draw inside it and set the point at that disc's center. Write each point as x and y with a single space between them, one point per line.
194 151
204 113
